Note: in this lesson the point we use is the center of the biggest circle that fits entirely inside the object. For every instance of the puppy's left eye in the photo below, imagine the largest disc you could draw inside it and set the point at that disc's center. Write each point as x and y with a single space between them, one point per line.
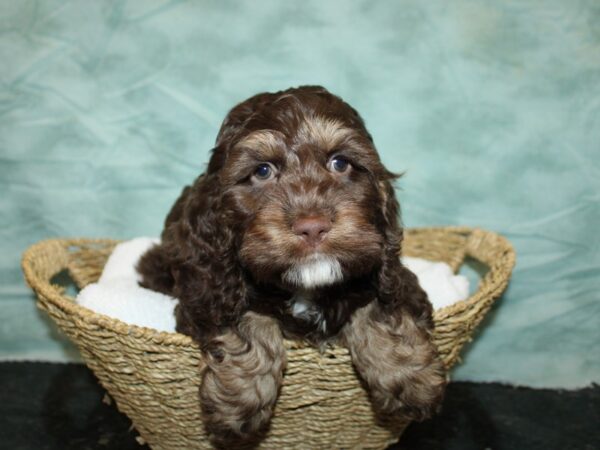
263 172
339 164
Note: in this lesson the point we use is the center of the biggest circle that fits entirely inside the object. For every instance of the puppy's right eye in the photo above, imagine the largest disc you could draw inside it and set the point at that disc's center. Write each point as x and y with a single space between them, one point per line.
263 172
338 164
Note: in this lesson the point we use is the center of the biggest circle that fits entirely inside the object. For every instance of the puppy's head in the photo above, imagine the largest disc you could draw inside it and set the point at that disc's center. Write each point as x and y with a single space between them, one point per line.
312 201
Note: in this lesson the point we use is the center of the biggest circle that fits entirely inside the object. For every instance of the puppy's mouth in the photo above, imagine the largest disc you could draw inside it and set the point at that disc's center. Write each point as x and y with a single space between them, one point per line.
314 271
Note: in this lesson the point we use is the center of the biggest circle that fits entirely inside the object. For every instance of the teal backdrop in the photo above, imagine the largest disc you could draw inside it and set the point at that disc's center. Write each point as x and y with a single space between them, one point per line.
107 108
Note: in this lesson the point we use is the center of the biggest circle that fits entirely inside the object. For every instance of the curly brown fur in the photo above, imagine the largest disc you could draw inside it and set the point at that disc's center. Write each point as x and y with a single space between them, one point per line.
242 378
394 356
293 229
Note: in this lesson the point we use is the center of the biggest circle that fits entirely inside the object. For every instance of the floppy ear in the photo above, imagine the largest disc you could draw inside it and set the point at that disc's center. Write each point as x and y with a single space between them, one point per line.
196 261
197 258
390 339
398 288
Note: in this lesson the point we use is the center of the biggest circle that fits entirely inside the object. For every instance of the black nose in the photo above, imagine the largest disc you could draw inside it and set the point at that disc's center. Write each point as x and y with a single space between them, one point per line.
312 229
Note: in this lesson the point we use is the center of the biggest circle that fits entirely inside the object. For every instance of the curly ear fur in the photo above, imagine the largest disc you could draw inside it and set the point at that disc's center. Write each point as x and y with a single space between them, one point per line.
398 287
390 338
196 261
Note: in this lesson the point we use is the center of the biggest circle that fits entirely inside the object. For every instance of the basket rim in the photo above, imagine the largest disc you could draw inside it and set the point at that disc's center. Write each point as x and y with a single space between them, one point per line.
45 289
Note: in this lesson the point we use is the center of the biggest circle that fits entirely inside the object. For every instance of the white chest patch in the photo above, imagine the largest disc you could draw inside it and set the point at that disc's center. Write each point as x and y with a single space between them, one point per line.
314 272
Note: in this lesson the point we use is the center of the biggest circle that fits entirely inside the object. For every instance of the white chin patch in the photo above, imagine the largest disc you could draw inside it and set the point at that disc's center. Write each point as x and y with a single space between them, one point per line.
314 272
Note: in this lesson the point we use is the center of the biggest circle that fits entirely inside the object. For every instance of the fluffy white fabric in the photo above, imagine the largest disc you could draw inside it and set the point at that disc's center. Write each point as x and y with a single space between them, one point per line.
122 261
117 293
443 287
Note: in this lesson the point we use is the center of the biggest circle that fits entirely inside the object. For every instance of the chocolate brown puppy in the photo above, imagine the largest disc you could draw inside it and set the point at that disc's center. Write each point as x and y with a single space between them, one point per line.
293 232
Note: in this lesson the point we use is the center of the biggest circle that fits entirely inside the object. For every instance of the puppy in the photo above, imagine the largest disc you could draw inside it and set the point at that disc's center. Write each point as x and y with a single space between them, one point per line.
293 232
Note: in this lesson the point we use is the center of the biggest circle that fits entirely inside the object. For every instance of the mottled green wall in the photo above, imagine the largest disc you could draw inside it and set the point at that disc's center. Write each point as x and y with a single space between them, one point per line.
492 108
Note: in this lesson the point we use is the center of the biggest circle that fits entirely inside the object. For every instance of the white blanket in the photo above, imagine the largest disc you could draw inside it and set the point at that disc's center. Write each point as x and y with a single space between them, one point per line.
117 293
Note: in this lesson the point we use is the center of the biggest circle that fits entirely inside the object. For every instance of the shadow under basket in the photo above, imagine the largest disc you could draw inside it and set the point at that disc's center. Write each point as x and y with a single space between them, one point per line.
154 376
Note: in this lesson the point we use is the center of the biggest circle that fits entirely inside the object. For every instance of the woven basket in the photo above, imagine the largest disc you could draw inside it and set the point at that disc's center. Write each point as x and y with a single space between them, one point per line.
154 376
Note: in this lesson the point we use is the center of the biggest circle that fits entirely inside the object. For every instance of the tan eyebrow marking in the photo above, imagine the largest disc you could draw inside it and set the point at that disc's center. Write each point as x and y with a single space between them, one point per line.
329 133
260 140
258 146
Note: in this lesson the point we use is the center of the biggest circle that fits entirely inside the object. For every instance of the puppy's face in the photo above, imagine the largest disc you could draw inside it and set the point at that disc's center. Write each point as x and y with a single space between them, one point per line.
304 178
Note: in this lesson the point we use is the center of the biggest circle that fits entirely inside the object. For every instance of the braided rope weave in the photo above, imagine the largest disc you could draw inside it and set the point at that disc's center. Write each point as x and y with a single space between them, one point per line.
154 376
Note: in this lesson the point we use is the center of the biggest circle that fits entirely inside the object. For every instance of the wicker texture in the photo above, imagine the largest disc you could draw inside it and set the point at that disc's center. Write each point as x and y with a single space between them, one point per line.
154 376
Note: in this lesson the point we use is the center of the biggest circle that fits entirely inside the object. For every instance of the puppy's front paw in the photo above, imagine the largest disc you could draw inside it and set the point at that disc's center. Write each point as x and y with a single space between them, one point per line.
415 392
398 361
236 409
239 388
